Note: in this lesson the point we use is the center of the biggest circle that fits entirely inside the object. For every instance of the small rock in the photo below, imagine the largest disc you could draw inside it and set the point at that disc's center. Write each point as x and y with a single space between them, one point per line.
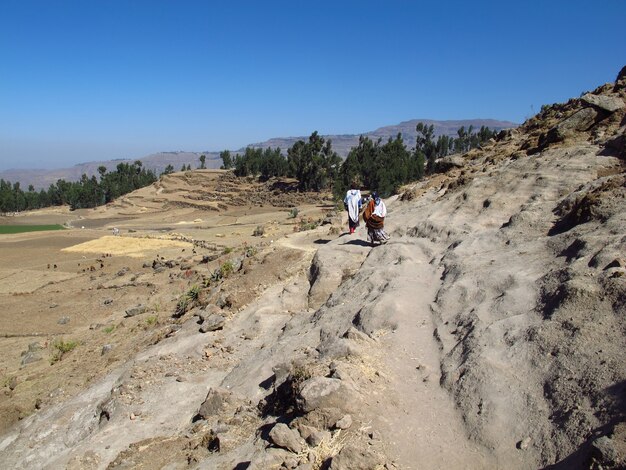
603 449
344 423
354 457
524 443
355 334
106 348
63 320
290 463
180 379
286 438
317 437
29 357
108 301
139 309
12 383
212 323
54 305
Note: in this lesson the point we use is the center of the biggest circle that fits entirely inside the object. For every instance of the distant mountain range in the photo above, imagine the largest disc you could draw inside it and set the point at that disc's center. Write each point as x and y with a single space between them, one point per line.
158 161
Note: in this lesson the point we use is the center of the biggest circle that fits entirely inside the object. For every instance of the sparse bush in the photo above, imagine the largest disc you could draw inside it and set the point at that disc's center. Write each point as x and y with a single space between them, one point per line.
181 306
227 250
293 213
251 251
60 348
152 320
308 224
109 329
226 269
193 293
258 231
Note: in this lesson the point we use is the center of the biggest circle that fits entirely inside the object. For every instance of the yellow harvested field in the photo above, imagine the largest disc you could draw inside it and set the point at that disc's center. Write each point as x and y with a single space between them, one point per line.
126 246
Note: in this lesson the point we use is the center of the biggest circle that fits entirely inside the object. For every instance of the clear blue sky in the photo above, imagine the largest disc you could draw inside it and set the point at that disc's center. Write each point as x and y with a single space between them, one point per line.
103 79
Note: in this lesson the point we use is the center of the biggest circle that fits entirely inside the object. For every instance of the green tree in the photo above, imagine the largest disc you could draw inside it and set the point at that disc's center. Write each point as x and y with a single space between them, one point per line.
202 162
313 163
169 169
227 160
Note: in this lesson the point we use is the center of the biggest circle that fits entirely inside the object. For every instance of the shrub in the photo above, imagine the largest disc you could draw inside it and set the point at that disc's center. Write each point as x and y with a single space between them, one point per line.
60 348
181 306
226 269
193 293
109 329
152 320
308 224
227 250
258 231
293 213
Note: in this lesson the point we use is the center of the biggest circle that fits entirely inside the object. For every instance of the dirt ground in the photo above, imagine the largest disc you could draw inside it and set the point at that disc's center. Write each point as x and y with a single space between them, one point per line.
75 285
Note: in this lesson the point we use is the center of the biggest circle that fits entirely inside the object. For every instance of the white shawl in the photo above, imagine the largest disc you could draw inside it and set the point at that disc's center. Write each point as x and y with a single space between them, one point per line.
380 209
352 200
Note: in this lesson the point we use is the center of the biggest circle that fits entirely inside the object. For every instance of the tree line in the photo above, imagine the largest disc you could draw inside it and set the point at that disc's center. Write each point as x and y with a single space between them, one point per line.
372 163
85 193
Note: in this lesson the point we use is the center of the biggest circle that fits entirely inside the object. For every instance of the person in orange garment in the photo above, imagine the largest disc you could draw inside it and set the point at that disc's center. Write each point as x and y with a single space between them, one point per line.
374 217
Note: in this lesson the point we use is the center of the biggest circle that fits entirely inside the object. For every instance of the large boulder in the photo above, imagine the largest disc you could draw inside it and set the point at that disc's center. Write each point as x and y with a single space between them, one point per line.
217 401
581 121
610 103
445 164
325 392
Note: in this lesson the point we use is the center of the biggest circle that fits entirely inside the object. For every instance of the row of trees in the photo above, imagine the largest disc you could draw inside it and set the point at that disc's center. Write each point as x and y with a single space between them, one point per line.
372 164
87 192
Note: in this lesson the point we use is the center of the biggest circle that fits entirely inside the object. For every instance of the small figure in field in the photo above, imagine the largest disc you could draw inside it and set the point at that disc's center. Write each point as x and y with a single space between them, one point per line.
374 217
352 203
116 231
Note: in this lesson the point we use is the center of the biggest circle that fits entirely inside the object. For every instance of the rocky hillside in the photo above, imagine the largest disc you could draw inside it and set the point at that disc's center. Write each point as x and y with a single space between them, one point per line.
489 332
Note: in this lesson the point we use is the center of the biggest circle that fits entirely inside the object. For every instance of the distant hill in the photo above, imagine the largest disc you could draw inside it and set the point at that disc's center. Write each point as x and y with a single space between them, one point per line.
158 161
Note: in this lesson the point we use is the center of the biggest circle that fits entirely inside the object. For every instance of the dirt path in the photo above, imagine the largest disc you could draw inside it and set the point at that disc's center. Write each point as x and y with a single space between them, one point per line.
417 417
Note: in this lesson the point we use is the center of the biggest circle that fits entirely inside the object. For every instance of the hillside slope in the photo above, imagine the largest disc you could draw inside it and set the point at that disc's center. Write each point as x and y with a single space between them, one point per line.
489 332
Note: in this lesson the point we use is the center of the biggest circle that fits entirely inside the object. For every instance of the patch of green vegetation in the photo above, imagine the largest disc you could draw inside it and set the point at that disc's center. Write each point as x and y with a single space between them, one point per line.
308 224
258 231
226 269
152 320
109 329
193 293
9 229
293 213
181 306
60 348
227 250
